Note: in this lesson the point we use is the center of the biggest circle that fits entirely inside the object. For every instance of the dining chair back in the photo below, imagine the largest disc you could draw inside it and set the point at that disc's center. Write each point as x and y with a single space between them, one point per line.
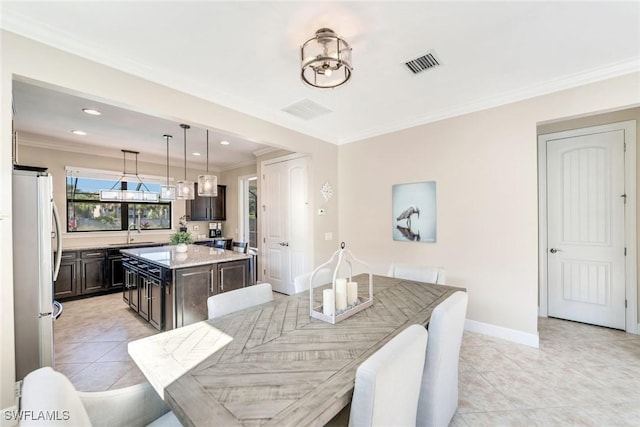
45 391
220 244
418 272
240 247
238 299
387 384
439 389
301 283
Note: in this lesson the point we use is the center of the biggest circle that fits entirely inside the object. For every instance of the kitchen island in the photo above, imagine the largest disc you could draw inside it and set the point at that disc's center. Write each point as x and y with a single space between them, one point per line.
169 289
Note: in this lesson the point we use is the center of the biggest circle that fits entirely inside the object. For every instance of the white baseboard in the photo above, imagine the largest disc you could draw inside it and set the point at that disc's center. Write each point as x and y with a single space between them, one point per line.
519 337
9 418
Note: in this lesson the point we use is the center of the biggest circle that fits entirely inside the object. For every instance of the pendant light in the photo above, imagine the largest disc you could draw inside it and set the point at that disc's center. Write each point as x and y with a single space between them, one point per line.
207 184
167 192
142 192
184 188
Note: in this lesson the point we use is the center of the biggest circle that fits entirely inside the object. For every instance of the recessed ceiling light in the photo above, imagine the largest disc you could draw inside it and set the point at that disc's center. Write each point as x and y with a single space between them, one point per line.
78 132
91 111
224 142
195 154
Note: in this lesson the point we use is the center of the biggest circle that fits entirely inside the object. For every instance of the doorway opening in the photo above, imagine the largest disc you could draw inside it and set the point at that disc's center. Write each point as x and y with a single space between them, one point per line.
248 209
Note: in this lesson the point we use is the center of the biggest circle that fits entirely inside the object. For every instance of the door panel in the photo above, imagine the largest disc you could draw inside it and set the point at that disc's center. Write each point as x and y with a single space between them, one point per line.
286 224
298 227
275 210
586 228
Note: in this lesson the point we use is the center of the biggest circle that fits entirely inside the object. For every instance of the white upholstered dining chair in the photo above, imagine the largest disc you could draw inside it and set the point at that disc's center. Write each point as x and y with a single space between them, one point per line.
439 389
388 383
301 283
238 299
47 392
418 272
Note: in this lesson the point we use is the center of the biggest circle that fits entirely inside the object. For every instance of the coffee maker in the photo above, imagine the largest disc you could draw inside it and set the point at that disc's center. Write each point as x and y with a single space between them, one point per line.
215 229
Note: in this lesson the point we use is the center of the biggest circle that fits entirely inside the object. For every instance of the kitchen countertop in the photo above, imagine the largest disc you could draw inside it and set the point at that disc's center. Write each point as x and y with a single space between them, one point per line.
168 257
134 244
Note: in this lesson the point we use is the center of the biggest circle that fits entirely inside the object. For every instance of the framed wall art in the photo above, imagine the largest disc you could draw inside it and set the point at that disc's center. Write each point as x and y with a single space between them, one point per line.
414 212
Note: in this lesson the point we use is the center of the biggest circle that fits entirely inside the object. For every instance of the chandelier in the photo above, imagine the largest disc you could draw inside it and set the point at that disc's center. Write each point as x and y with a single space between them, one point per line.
326 60
141 192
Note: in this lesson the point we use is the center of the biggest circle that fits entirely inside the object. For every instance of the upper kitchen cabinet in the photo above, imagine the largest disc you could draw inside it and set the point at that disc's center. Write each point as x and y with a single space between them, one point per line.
208 208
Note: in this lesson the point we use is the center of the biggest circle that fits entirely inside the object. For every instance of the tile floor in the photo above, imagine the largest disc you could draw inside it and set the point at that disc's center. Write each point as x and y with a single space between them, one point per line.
580 376
90 341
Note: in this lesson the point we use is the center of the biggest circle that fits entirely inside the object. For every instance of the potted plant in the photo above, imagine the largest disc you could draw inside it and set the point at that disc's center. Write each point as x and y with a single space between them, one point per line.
181 238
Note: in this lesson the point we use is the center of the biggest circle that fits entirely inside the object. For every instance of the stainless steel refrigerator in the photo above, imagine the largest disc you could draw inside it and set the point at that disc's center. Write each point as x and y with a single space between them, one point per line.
34 269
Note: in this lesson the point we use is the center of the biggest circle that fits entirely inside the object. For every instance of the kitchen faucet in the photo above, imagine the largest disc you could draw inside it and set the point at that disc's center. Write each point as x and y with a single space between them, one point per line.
129 239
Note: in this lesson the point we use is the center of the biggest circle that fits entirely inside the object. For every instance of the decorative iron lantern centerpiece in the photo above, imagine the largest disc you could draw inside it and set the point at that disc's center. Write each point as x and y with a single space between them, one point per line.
342 299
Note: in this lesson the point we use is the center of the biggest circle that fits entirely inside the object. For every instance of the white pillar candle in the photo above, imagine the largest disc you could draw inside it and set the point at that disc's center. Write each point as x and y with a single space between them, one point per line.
352 292
328 302
341 294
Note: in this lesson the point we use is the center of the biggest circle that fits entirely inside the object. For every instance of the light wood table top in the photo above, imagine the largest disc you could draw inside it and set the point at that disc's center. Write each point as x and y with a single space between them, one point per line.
284 367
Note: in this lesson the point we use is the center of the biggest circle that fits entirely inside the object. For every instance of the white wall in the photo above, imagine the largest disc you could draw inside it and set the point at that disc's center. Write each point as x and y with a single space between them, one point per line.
485 166
24 58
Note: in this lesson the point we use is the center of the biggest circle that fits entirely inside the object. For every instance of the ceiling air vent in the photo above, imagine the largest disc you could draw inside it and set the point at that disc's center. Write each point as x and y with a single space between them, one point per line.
306 109
422 63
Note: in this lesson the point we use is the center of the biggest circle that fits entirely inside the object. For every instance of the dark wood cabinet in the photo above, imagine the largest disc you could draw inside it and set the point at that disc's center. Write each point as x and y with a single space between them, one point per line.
144 290
233 275
208 208
131 294
115 278
93 272
66 285
93 265
193 286
154 287
172 298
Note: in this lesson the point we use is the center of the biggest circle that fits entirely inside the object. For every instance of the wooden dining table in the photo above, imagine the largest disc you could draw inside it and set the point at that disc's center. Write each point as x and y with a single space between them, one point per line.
273 364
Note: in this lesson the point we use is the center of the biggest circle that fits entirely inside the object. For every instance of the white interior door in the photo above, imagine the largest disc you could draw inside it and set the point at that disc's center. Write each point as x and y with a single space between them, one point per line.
286 229
585 213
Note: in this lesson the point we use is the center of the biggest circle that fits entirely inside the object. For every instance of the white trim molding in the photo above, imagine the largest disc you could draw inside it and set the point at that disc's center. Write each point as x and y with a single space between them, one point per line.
513 335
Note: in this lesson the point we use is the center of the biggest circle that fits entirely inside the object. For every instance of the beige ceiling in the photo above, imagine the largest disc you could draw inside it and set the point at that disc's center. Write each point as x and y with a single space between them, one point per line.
245 55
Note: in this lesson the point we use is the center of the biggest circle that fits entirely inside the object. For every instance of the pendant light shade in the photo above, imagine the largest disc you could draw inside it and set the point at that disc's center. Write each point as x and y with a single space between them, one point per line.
207 184
185 189
167 192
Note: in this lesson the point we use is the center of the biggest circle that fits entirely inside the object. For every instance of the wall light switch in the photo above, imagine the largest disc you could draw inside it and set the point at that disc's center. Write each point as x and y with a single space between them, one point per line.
328 235
322 211
196 227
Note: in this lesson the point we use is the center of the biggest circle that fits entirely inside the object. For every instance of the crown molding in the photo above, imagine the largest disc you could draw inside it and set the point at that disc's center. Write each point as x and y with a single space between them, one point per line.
593 75
47 35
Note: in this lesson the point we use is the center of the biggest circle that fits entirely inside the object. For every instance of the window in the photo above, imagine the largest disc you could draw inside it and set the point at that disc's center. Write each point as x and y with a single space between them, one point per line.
85 211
